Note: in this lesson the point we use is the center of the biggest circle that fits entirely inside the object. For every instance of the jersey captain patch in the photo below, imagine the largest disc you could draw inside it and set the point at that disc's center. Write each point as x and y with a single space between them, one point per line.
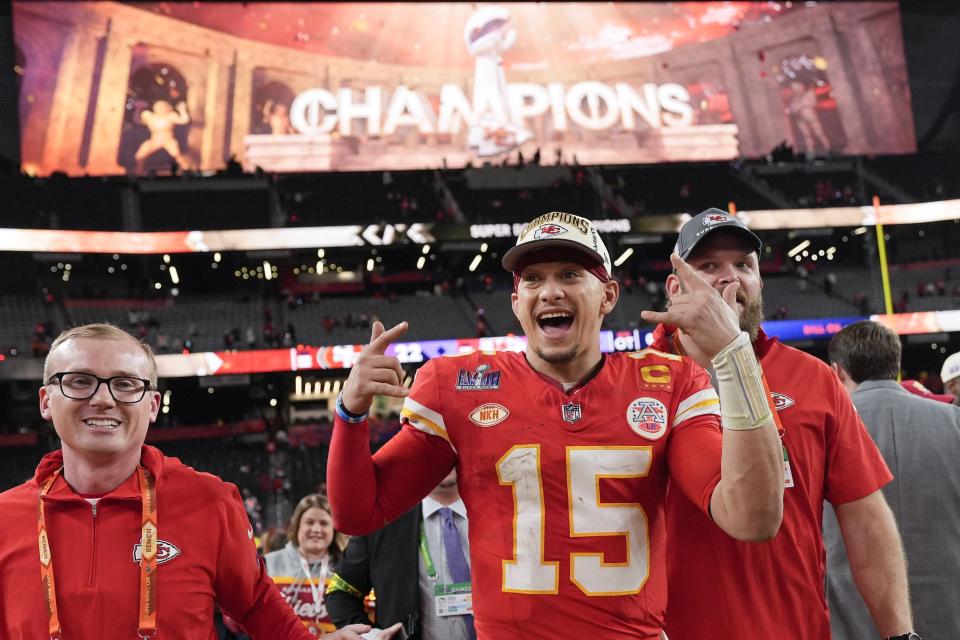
647 418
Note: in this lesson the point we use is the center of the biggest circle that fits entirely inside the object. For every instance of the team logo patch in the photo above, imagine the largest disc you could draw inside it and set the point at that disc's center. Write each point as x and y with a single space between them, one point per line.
166 551
480 379
715 218
647 418
571 412
548 230
781 401
488 415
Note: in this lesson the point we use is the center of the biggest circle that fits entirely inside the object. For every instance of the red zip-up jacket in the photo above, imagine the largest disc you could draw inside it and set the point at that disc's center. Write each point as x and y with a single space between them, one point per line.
205 548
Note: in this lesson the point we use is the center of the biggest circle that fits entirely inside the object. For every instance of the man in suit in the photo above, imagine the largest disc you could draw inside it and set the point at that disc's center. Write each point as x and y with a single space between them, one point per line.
920 440
403 568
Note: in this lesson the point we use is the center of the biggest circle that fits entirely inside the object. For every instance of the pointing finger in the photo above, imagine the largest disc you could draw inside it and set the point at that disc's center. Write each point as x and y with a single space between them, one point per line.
383 339
655 317
375 330
729 294
689 278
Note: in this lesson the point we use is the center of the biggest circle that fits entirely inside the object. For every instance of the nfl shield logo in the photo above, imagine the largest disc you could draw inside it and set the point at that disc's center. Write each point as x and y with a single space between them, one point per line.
571 412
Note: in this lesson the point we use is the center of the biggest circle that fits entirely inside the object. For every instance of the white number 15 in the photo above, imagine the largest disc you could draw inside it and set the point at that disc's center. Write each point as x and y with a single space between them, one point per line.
528 571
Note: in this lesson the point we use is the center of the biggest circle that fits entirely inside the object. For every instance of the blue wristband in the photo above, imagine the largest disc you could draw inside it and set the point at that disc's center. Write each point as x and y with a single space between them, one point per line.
345 415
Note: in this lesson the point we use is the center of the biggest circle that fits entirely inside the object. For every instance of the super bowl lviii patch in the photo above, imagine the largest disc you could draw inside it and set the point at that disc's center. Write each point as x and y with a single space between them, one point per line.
480 379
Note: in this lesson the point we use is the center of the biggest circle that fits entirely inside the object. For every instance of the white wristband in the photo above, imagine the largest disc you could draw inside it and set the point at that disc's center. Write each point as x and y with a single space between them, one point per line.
743 399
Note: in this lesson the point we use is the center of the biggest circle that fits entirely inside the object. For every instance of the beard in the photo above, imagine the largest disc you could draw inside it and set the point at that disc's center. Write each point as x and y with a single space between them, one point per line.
557 358
752 315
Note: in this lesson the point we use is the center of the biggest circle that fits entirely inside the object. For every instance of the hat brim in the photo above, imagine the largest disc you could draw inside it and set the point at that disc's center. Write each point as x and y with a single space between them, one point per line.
752 239
522 254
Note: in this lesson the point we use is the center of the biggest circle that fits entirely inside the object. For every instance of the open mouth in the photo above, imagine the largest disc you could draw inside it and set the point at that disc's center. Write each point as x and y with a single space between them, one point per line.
555 324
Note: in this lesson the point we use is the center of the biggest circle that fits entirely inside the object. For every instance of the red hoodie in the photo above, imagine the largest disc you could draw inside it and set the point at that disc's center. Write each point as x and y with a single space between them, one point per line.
206 554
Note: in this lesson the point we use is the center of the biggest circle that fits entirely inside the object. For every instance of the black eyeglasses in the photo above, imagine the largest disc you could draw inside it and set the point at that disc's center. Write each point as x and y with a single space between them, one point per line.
81 386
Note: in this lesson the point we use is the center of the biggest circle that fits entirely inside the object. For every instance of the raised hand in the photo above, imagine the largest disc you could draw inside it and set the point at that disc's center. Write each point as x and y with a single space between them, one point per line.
375 373
709 318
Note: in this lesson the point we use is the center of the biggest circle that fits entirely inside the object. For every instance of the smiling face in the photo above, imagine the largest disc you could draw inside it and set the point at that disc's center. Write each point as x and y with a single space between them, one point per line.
561 306
315 533
720 259
99 428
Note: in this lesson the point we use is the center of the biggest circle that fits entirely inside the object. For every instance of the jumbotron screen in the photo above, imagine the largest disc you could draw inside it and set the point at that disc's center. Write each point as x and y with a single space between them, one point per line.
114 87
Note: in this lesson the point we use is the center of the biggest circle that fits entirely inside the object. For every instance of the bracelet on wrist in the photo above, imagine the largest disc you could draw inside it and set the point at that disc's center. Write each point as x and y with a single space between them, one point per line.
345 414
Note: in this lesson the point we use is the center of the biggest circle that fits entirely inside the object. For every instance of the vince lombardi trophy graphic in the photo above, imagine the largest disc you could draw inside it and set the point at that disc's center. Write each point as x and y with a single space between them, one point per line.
488 35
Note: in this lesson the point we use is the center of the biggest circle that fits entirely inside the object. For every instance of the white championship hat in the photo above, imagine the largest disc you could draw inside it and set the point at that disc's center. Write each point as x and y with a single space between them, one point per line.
559 230
951 368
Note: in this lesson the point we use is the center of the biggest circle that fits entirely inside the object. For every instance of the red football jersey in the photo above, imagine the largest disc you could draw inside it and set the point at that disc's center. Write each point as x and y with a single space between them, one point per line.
774 589
565 490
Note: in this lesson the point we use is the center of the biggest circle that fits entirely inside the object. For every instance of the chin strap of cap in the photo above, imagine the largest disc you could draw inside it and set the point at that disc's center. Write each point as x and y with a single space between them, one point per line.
743 397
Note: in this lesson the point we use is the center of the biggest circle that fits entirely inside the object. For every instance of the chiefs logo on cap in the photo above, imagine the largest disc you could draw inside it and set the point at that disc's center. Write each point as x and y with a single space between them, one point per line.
715 218
548 231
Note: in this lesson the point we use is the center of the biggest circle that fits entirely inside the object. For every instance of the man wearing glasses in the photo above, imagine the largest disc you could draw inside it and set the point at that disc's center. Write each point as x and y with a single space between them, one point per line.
112 539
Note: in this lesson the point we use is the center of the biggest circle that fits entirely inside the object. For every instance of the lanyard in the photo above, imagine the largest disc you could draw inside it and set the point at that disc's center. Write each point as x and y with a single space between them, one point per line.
425 552
316 589
148 552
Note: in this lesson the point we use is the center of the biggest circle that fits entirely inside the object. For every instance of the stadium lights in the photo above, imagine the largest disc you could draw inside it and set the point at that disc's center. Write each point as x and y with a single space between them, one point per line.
426 249
422 260
476 262
157 285
174 276
370 264
859 231
623 257
166 258
216 257
483 247
267 270
320 253
797 249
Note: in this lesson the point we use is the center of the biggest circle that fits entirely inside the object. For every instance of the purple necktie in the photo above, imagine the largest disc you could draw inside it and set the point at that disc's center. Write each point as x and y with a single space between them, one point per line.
456 560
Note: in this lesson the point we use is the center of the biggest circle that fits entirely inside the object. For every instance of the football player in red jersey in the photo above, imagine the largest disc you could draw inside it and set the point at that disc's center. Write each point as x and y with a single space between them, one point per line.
776 590
564 455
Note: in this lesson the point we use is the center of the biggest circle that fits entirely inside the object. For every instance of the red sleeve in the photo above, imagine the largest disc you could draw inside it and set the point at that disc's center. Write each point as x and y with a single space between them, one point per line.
243 589
855 467
693 452
366 492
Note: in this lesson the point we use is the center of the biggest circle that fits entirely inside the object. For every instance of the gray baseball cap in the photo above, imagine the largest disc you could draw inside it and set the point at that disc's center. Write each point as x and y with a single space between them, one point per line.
706 222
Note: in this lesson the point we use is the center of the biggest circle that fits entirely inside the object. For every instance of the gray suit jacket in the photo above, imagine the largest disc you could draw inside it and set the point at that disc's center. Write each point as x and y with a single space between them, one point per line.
920 441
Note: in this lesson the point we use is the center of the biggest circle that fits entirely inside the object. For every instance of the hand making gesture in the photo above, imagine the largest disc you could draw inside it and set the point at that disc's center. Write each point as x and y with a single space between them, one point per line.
708 317
375 373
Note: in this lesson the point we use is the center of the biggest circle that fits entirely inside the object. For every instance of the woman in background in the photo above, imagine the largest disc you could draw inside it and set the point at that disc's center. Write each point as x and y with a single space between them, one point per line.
302 567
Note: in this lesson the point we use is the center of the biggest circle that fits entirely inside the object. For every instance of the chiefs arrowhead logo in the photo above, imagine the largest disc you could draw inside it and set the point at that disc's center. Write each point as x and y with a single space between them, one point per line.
548 231
715 218
781 401
166 551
